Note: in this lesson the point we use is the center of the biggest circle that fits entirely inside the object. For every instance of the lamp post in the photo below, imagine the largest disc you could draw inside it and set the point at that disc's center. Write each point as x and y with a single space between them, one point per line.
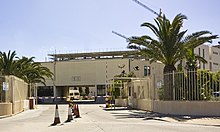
121 66
54 72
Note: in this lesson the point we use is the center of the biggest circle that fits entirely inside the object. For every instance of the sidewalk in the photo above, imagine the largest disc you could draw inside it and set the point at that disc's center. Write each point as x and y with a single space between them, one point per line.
211 121
147 115
5 116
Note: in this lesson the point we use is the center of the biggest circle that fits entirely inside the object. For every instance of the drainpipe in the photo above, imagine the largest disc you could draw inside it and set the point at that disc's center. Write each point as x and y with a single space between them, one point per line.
12 93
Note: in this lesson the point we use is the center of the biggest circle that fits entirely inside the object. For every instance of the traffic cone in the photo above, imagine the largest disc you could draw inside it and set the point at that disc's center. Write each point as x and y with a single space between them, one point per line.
74 109
57 118
71 104
77 111
69 117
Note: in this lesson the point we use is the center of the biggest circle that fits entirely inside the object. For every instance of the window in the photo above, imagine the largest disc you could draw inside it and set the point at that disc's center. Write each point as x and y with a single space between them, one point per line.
129 91
146 70
203 53
100 90
45 91
215 64
215 52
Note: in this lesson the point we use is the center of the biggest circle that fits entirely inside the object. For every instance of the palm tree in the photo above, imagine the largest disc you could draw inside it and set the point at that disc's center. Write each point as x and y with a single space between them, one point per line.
7 63
22 65
36 73
170 46
24 68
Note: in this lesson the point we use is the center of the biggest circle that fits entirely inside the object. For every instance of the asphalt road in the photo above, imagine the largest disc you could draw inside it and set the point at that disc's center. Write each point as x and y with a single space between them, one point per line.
95 119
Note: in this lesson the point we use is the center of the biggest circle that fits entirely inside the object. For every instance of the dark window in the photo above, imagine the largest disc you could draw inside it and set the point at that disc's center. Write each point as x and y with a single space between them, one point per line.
215 52
203 53
45 91
146 70
100 90
129 91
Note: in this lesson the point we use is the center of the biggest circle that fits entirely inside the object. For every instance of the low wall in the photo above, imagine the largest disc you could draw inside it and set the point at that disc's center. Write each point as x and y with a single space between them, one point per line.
144 104
5 109
18 106
199 108
26 104
121 102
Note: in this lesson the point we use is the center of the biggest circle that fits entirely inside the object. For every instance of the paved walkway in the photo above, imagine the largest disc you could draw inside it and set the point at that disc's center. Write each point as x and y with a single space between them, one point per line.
208 121
95 118
199 120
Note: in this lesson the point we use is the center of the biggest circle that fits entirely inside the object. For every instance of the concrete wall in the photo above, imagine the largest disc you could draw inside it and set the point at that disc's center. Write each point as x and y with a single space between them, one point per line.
5 109
196 108
17 107
121 102
145 104
16 97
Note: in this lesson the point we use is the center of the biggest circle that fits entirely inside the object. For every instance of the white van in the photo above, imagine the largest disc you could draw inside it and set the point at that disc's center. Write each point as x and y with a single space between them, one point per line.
74 94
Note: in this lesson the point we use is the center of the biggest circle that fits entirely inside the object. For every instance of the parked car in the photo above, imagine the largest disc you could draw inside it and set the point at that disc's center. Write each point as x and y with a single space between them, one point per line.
74 94
216 94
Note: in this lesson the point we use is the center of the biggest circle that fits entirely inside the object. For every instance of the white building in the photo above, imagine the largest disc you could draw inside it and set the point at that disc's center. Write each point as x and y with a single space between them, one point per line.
211 55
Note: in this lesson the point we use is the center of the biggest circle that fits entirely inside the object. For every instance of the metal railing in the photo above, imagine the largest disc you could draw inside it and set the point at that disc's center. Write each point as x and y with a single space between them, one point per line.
191 85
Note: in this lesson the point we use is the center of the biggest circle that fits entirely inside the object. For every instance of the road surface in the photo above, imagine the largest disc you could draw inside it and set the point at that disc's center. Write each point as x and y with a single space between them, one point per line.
95 119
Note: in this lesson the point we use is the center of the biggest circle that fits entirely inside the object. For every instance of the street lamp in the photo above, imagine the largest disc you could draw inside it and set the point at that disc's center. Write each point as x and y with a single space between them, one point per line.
121 66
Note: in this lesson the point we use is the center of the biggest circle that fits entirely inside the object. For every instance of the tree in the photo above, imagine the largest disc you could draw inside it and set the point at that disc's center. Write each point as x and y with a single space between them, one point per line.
24 68
87 91
171 44
81 91
191 60
7 63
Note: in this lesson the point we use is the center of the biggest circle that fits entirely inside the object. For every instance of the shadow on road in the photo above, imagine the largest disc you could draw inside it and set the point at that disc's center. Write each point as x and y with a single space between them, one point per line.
123 113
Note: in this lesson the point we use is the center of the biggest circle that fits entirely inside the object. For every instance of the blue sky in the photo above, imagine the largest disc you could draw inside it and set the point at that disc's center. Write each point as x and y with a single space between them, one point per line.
38 27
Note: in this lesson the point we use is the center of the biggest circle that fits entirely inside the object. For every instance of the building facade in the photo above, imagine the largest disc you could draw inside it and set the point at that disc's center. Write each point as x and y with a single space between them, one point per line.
211 55
94 70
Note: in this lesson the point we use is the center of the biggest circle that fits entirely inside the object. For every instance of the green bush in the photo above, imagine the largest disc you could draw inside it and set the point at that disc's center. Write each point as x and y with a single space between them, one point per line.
161 93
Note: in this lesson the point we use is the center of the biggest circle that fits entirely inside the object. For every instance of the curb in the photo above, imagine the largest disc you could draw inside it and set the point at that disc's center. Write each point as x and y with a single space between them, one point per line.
5 116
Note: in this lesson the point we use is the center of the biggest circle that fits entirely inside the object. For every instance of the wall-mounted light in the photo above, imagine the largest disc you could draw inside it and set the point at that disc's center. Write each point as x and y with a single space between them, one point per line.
121 66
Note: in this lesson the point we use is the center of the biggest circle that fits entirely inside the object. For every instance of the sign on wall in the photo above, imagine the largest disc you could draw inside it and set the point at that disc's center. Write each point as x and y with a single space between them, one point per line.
5 86
159 84
76 78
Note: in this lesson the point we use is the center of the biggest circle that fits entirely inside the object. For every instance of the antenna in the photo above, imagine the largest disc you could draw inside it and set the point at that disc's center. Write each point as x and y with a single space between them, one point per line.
146 7
120 35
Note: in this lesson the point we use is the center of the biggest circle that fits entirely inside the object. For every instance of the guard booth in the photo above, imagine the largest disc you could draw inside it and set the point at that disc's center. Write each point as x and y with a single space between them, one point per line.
129 92
140 92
